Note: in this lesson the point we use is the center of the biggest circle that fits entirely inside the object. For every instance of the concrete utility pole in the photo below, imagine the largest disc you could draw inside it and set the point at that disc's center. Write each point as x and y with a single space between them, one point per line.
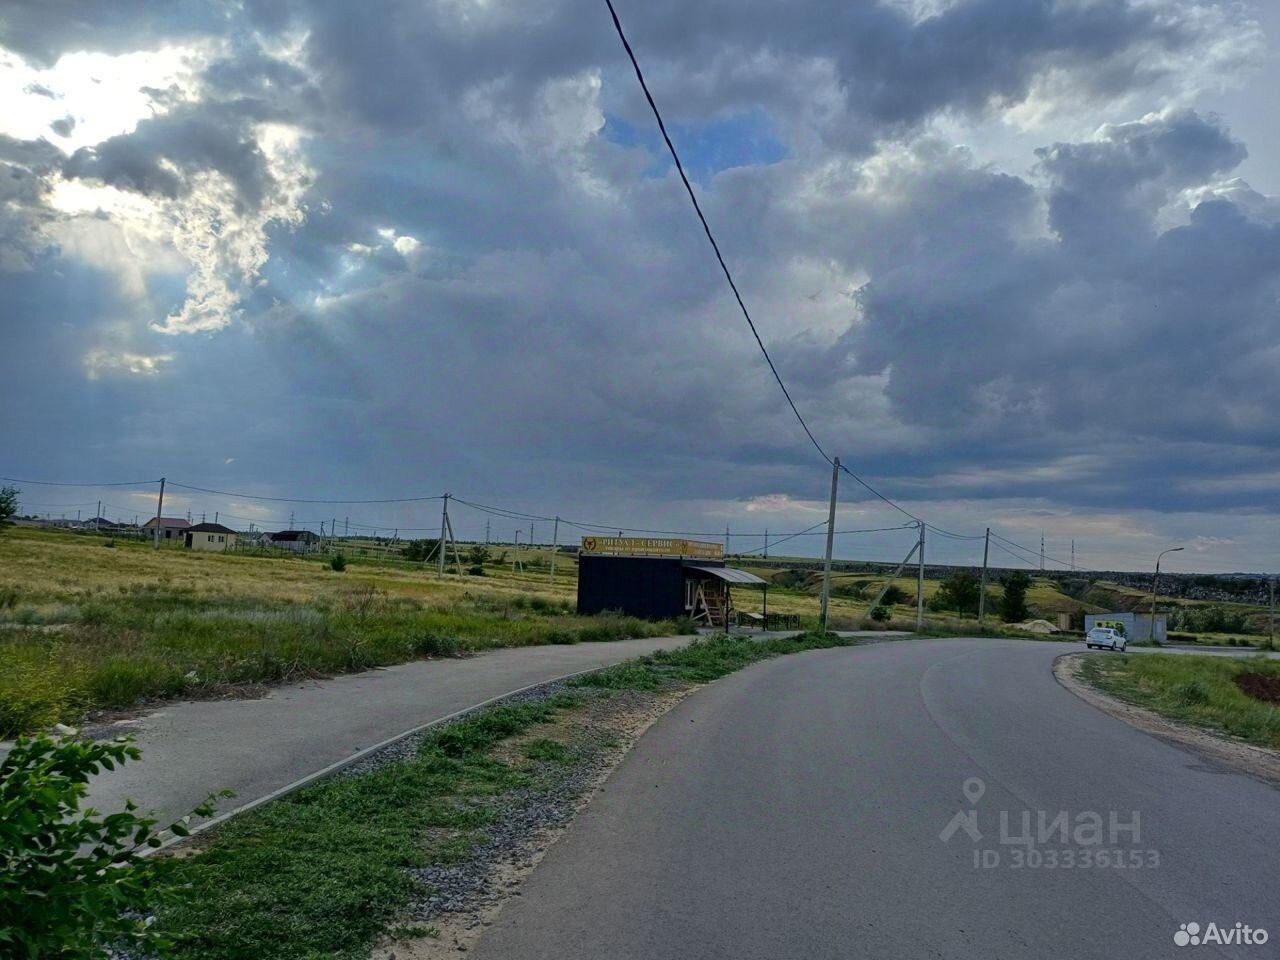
1042 550
1151 627
1073 553
97 517
1271 635
159 510
766 543
982 589
831 533
920 584
726 540
555 547
486 532
444 522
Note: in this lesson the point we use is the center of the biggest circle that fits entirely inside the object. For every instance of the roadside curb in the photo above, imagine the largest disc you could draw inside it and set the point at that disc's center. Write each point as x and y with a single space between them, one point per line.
1256 762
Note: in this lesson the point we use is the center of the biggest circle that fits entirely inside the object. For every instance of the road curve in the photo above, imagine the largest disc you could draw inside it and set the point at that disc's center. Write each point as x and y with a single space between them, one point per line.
795 810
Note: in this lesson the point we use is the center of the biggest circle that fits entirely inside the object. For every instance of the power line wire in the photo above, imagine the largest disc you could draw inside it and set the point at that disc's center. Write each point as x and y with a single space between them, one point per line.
51 483
1031 551
251 496
728 275
706 227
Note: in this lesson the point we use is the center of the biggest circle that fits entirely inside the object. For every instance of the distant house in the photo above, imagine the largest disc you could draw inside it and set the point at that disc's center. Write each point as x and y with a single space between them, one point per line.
171 528
209 536
299 541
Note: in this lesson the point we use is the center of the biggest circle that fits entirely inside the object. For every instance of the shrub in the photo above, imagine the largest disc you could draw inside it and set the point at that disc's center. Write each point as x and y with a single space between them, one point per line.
434 645
338 563
1013 605
74 884
476 570
894 594
8 503
958 592
879 614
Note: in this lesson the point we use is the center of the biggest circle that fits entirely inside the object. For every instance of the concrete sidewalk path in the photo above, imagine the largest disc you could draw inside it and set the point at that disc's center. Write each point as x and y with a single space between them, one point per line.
254 747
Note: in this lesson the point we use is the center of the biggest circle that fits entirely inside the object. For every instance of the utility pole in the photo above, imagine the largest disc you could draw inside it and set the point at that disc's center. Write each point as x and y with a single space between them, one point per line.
831 533
97 517
486 532
1271 636
444 522
766 543
726 540
290 519
1041 549
555 547
982 591
159 510
1151 627
515 552
1073 553
333 528
920 584
530 534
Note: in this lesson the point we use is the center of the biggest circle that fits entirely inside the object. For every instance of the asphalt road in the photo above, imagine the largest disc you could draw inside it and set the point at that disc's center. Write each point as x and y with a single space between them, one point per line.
796 810
254 747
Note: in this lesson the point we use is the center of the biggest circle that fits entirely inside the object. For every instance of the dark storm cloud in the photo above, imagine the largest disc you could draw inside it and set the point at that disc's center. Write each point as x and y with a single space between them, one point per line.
552 326
23 168
43 30
1156 332
203 137
889 72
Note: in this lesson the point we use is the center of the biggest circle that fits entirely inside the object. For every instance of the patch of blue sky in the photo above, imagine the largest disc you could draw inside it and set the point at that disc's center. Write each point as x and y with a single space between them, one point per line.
737 140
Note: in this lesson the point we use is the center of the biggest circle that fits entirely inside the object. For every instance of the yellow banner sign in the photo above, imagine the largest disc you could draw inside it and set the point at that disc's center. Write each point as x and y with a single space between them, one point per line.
653 547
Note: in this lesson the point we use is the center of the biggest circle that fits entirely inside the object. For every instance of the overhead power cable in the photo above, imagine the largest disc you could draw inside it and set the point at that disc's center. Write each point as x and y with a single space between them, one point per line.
51 483
706 227
253 496
1030 550
1002 547
728 275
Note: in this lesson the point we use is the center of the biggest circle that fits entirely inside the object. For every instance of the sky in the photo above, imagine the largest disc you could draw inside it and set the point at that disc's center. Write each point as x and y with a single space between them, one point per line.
1018 262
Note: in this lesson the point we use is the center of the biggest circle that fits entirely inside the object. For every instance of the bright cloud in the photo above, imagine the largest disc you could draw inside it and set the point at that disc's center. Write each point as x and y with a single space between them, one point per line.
94 96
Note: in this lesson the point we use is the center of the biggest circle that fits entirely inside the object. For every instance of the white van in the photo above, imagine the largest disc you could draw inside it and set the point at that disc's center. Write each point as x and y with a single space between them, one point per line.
1108 637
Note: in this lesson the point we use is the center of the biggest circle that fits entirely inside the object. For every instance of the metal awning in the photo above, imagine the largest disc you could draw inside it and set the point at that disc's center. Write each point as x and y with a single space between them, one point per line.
729 574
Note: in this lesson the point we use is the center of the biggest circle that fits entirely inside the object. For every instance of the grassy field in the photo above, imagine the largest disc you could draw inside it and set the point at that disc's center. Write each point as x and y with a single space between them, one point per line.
1204 691
84 625
324 872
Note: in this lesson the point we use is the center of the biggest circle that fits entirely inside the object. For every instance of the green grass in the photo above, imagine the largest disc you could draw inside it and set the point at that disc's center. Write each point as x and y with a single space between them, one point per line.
701 661
1191 689
324 872
84 628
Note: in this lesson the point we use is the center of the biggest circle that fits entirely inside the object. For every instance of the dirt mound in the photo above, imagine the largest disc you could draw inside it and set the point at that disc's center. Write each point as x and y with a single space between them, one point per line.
1260 686
1036 626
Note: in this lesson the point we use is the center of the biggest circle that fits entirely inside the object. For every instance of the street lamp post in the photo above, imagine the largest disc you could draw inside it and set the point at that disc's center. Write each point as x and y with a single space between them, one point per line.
1151 626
